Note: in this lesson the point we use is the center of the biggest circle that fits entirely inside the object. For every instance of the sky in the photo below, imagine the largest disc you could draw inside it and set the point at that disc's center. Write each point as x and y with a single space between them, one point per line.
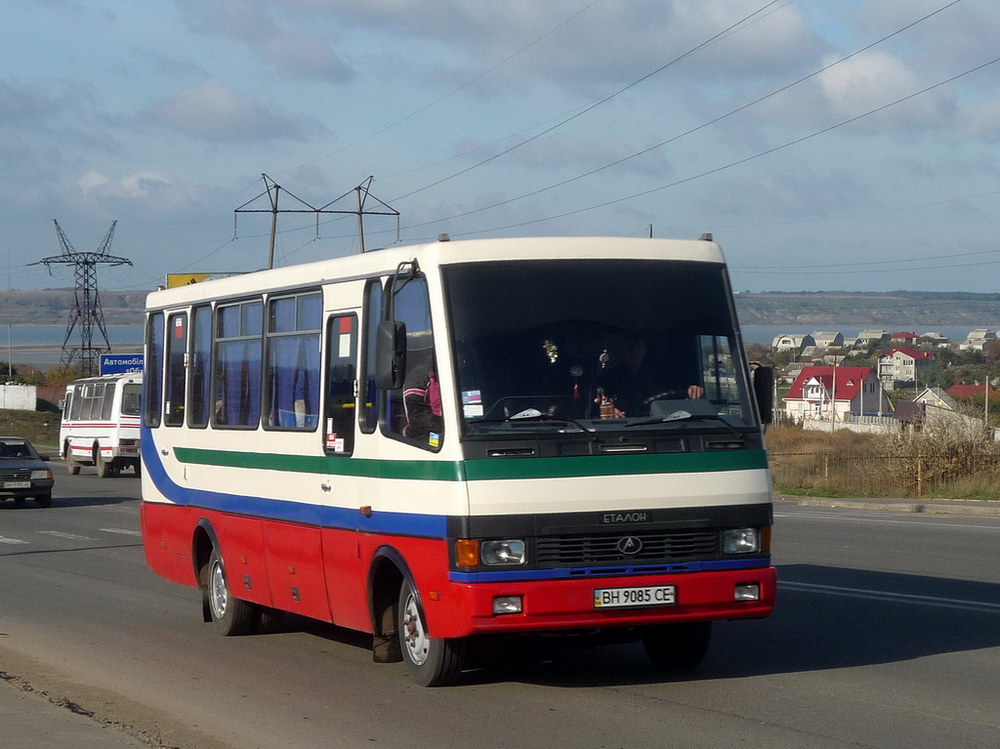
826 144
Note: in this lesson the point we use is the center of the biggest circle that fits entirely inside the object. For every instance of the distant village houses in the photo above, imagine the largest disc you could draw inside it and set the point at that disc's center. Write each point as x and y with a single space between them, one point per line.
977 340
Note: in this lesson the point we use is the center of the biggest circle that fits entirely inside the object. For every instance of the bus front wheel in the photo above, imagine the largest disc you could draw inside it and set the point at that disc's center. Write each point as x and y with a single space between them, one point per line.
231 616
431 661
677 647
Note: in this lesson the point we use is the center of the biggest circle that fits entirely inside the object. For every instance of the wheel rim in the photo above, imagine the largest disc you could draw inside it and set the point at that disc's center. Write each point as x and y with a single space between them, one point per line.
218 593
414 637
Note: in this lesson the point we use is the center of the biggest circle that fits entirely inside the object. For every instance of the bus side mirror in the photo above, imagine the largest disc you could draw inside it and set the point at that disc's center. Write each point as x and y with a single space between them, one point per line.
763 391
390 355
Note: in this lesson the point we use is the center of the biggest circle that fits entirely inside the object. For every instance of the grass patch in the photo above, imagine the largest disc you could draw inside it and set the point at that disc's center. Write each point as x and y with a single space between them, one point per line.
38 427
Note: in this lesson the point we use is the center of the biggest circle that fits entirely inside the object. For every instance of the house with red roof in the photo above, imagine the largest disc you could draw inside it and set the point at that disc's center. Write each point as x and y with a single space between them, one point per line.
962 390
905 336
825 393
903 366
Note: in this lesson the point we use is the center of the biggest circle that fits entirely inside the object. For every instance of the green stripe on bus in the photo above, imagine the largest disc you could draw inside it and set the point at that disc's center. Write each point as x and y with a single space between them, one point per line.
482 470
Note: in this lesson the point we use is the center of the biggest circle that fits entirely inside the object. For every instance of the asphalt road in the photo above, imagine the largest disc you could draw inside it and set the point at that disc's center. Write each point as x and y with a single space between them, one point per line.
887 634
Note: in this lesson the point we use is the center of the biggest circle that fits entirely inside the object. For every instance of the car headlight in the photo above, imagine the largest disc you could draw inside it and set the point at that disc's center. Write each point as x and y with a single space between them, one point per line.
503 552
46 474
740 541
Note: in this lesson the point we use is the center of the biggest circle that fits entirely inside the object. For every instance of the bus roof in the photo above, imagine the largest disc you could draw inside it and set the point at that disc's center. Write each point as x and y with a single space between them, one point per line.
383 261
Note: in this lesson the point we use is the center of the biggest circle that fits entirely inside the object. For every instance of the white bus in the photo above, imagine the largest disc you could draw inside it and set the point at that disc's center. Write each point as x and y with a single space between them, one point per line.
100 424
462 439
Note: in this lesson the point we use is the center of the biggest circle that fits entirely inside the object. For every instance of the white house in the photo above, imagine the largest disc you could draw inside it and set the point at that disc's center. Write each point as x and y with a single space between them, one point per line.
977 339
828 340
825 393
792 342
903 365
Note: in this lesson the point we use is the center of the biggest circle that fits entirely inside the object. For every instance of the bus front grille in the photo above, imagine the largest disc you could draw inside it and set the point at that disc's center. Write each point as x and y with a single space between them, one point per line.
656 547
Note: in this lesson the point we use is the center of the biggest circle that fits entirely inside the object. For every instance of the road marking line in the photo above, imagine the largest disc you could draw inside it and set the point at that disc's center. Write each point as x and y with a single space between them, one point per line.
843 516
122 531
5 540
881 595
72 536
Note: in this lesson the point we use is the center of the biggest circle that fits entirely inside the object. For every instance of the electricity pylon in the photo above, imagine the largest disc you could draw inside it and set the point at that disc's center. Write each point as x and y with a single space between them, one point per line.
87 299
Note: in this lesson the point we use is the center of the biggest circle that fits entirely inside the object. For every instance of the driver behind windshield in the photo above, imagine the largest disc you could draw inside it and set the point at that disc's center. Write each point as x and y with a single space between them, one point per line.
627 388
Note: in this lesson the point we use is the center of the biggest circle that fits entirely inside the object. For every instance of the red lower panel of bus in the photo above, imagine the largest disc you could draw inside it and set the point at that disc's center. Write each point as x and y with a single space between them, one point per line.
323 574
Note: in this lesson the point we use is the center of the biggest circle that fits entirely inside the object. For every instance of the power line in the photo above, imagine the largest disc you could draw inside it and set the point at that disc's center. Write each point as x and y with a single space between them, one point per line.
593 105
702 126
738 162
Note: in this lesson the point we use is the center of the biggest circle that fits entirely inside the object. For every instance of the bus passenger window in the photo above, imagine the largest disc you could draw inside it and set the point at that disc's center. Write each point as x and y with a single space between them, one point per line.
199 409
176 373
153 369
414 412
109 401
341 374
239 335
293 339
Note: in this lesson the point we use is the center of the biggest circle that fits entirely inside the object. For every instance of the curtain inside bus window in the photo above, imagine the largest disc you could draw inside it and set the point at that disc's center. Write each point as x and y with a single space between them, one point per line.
238 365
368 416
293 343
341 371
201 357
153 372
109 401
176 384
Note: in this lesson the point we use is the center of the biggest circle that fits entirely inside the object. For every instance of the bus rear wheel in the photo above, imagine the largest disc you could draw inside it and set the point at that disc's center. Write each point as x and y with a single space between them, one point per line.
431 661
231 616
104 467
677 647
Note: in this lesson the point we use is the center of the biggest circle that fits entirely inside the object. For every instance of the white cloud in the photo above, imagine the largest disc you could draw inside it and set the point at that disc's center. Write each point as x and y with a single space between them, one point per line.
216 113
875 78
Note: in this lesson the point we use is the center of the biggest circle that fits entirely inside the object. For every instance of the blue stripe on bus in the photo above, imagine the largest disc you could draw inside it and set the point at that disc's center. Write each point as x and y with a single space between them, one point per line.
583 573
340 518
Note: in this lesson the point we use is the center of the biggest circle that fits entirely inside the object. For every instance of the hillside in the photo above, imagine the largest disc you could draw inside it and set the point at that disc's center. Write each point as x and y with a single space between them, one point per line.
838 309
818 309
52 306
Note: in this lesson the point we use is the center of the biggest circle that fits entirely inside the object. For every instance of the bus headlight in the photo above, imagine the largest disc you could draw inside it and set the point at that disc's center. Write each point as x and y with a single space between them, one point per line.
740 541
503 552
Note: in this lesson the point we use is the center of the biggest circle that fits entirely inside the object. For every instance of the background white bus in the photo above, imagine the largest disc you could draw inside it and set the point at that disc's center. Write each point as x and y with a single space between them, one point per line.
100 424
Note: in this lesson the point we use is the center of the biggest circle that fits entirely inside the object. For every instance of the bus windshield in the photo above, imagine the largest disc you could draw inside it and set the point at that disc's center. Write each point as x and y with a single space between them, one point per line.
595 345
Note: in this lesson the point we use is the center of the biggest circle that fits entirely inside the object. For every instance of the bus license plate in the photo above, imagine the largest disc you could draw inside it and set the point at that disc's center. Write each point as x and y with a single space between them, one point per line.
16 484
620 598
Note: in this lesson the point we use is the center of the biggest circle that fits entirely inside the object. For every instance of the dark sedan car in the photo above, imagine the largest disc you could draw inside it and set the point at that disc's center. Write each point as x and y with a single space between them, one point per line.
23 472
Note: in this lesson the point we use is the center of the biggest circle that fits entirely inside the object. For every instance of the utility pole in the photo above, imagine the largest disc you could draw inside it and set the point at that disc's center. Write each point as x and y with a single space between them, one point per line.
272 190
87 300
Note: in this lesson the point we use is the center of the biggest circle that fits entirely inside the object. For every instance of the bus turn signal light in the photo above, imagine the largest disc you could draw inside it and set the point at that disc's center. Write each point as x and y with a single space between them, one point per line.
467 552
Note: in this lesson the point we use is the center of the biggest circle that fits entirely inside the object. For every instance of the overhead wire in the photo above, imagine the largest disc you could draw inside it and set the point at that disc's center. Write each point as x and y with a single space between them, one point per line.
692 130
738 162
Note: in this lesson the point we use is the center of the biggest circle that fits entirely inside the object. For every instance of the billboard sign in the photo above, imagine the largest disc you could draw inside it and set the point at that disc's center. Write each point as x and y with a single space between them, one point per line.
121 363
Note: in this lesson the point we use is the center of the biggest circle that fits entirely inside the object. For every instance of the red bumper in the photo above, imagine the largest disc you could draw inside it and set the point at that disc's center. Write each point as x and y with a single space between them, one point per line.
467 609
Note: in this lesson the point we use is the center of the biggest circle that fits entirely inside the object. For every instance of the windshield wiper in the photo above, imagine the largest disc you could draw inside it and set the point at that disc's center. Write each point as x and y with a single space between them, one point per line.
533 414
683 415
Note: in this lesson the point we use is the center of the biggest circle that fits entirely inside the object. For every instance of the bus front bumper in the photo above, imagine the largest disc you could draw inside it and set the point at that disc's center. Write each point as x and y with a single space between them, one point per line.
575 604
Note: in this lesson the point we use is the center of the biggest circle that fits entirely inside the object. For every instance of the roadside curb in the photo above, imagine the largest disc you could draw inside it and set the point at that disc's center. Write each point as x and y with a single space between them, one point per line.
977 508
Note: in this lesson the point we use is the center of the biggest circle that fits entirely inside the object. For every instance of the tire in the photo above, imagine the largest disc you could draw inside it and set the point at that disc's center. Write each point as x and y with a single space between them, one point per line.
72 467
44 500
231 616
431 661
104 467
677 647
